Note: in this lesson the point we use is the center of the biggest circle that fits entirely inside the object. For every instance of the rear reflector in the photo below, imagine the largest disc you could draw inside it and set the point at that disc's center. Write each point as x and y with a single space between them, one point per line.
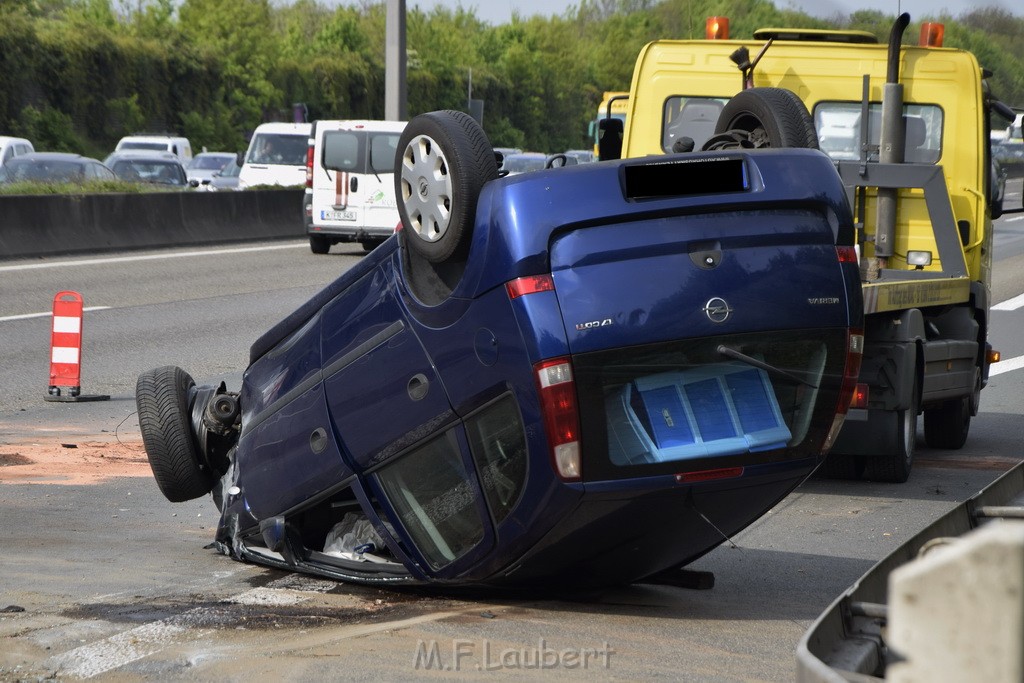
860 396
709 475
557 391
529 285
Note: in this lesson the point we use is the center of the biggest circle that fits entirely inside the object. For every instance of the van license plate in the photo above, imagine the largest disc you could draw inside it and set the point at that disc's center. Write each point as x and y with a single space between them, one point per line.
329 215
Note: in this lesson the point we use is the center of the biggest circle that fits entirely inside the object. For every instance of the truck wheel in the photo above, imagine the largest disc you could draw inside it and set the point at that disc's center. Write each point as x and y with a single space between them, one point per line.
841 466
444 159
894 462
947 425
162 397
764 117
319 244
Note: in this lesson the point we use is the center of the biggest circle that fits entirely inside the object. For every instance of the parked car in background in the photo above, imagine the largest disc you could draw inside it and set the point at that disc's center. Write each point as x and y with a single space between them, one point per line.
203 166
160 168
582 156
276 155
178 146
53 167
1010 155
523 162
13 147
224 179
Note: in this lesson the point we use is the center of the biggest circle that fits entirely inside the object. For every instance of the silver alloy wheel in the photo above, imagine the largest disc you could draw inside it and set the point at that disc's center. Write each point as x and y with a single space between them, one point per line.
426 188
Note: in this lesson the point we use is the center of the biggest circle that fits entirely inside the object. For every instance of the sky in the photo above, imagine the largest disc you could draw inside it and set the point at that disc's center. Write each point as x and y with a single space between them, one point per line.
500 11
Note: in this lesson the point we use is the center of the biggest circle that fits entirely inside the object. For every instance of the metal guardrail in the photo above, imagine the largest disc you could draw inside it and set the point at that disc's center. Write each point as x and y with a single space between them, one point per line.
847 642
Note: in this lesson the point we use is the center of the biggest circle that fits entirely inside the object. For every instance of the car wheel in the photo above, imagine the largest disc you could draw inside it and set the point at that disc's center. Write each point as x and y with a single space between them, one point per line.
162 397
764 117
319 244
947 426
444 159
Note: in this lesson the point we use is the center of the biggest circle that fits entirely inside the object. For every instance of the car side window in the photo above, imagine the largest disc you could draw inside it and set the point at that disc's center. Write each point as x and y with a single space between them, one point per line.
431 491
497 440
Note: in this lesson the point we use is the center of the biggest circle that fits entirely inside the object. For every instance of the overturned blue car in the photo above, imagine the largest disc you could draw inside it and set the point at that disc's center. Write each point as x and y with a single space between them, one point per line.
583 376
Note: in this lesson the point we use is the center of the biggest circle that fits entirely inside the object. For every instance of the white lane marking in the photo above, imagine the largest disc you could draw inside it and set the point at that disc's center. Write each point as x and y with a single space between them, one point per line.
26 316
149 257
1008 365
1010 304
1014 219
134 644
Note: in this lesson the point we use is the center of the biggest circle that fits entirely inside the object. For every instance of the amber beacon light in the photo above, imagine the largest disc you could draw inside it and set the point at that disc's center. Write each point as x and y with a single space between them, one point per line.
716 28
932 34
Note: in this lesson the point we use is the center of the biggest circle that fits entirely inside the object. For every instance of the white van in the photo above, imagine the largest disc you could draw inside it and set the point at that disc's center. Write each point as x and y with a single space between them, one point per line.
13 147
276 155
178 146
351 173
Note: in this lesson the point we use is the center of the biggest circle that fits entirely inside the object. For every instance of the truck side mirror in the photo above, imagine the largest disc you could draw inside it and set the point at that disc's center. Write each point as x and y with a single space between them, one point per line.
609 139
239 158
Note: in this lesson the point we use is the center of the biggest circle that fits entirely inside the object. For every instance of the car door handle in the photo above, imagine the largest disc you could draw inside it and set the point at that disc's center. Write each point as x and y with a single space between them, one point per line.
418 386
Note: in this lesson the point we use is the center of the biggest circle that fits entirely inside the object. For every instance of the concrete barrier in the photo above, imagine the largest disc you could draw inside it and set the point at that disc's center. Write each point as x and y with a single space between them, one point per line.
43 225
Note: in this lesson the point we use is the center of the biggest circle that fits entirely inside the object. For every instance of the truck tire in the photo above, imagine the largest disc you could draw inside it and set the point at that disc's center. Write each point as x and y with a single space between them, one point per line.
894 462
319 244
764 117
162 397
947 425
444 159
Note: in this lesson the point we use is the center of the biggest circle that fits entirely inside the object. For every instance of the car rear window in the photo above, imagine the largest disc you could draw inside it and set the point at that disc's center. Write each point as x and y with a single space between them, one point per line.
359 151
704 403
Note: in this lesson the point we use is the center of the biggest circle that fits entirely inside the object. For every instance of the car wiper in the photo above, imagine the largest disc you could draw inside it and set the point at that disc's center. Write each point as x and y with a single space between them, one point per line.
771 369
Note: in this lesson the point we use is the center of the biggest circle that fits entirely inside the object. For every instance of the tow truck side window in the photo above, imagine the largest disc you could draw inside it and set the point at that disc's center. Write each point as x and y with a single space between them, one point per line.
692 117
839 130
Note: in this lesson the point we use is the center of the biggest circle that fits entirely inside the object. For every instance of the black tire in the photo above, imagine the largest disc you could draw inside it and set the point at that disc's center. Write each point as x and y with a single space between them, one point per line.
371 244
443 160
894 462
162 397
319 244
841 466
765 117
947 425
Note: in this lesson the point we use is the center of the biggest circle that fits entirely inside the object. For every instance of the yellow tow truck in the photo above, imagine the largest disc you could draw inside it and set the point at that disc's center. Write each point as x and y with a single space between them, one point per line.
908 130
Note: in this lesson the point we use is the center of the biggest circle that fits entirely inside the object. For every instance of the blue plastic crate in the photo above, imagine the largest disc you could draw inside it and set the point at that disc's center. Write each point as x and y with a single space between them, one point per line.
722 409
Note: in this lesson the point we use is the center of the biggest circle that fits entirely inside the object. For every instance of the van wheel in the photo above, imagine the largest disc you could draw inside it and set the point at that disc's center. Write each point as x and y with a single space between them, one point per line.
163 397
444 159
319 244
764 117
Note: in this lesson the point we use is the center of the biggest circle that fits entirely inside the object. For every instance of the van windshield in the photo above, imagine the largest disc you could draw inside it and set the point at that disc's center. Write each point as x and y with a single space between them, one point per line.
278 148
359 151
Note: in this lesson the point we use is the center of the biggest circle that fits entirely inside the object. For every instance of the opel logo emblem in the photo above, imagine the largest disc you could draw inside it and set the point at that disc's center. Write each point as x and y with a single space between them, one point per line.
717 310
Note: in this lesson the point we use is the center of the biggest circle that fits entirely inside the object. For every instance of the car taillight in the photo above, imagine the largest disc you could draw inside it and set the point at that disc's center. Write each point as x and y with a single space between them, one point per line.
847 254
529 285
851 371
309 166
557 391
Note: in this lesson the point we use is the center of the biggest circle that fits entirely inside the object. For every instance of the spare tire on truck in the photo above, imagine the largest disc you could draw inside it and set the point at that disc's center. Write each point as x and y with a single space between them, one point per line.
163 397
444 159
764 117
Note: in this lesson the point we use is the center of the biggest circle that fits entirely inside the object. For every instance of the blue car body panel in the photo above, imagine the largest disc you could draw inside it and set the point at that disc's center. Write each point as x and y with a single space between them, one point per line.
748 386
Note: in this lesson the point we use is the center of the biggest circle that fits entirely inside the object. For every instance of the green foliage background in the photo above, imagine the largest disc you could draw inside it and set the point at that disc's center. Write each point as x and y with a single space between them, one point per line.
76 75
